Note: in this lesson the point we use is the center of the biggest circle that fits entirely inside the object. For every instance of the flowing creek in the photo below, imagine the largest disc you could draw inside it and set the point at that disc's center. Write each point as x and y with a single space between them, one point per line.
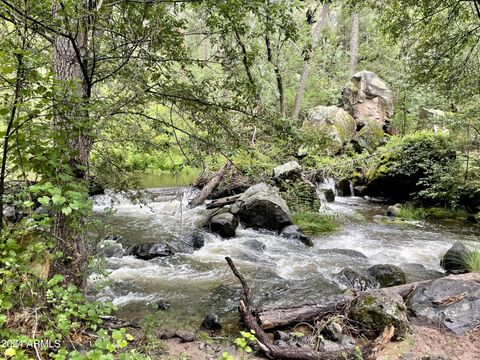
287 273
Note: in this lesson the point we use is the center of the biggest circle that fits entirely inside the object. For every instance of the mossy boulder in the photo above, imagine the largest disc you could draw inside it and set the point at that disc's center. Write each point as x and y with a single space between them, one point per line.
300 195
370 135
332 121
373 311
356 280
454 259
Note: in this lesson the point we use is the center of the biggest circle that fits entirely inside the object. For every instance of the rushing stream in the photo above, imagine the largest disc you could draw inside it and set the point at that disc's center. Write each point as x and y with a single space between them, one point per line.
286 273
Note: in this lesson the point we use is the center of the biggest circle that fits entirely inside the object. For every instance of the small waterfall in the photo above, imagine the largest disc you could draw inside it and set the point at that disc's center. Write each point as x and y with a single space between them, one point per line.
325 190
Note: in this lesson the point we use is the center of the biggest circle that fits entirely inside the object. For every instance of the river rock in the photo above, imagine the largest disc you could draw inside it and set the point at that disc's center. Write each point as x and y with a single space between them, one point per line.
150 250
418 272
360 190
451 303
11 214
345 252
367 96
329 195
186 336
110 247
211 322
355 280
333 331
224 224
394 210
190 242
255 245
387 275
294 232
454 259
375 310
370 135
344 188
280 335
261 206
291 170
333 121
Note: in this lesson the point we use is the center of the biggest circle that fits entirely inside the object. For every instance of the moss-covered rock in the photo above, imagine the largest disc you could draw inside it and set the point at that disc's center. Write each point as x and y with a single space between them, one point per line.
370 135
300 195
375 310
333 121
387 274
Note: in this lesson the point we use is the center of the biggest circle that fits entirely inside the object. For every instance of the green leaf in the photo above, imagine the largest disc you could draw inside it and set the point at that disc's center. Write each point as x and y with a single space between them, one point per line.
44 200
28 203
67 210
58 199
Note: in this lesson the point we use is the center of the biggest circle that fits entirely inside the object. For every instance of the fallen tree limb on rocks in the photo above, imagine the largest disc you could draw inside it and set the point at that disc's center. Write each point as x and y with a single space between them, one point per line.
218 203
265 343
211 185
283 317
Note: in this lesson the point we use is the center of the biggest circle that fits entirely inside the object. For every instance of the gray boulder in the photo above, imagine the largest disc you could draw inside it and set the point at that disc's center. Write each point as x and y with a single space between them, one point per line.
110 247
375 310
367 96
294 232
211 322
344 187
454 259
261 206
355 280
224 224
150 251
291 170
451 303
387 275
394 210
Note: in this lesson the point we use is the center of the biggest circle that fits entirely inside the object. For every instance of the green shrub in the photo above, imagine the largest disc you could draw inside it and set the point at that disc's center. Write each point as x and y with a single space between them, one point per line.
314 223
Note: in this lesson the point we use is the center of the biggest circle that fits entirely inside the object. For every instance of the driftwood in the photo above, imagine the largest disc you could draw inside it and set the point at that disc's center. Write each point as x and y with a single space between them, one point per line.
211 185
283 317
265 343
217 203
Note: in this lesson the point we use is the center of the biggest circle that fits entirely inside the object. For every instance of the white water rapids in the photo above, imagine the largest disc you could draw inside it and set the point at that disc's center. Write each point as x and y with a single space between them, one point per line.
286 273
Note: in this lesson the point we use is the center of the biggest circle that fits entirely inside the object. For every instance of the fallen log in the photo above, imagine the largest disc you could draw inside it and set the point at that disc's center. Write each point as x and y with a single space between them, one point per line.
284 317
265 343
223 201
211 185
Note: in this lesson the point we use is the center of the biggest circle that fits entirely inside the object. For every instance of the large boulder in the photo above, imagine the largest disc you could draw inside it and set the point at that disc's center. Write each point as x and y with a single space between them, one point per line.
291 170
453 304
333 121
454 259
300 195
224 224
367 96
387 274
375 310
370 135
150 250
261 206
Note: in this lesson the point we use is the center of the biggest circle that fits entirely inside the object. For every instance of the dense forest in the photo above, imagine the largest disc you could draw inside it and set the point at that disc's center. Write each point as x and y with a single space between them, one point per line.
325 154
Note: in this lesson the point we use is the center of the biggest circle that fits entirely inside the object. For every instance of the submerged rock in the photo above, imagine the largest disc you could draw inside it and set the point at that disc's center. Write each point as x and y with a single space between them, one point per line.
211 322
110 247
454 259
345 252
355 280
256 245
150 251
261 206
190 242
375 310
294 232
224 224
387 275
451 303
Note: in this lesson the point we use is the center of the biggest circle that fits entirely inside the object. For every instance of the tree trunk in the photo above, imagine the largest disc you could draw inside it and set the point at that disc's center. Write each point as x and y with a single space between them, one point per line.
319 26
354 40
72 121
283 317
278 77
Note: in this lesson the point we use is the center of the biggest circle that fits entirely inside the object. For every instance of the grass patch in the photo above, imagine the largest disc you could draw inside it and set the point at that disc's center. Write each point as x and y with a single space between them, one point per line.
472 261
412 213
314 223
